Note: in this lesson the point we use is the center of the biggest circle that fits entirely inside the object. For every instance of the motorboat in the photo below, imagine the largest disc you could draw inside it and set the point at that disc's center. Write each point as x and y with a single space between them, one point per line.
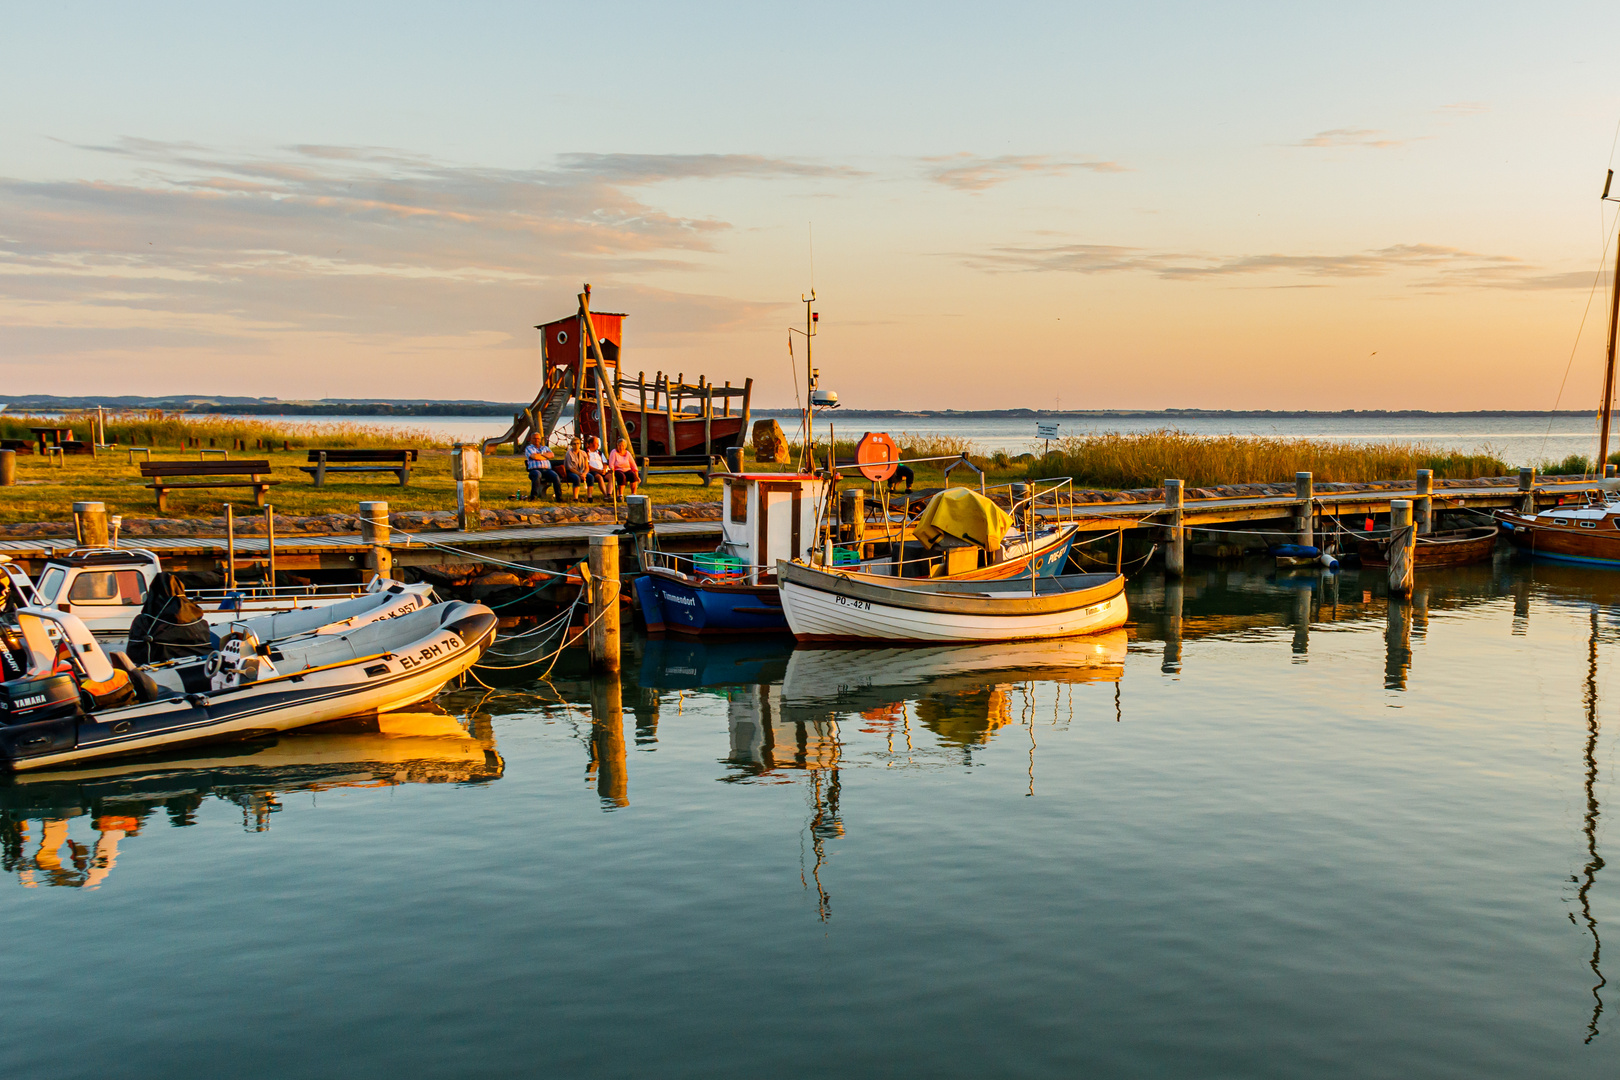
1586 532
106 588
825 605
73 702
769 517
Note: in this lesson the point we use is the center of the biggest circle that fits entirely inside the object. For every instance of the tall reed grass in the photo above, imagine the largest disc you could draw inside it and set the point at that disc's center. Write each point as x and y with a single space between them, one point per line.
157 428
1137 459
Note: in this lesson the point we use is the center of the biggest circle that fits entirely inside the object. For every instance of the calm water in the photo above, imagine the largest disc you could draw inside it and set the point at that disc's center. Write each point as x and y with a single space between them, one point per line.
1516 440
1293 830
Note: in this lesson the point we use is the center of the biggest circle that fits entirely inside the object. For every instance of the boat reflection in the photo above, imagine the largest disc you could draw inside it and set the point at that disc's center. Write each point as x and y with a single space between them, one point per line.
425 745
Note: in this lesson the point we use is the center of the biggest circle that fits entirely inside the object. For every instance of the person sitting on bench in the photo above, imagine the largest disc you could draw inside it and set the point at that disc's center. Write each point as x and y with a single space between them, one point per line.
578 468
622 463
597 465
537 459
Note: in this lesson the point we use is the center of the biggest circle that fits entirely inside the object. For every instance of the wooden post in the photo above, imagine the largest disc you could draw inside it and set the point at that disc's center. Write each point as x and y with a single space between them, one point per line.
8 468
669 416
1527 490
90 524
748 394
374 530
270 541
1423 505
1402 543
641 428
852 516
603 639
727 413
230 546
603 384
708 423
467 468
1304 491
607 741
1175 551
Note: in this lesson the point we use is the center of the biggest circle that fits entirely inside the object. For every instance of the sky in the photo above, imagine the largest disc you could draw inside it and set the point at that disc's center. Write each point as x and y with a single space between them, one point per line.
1081 206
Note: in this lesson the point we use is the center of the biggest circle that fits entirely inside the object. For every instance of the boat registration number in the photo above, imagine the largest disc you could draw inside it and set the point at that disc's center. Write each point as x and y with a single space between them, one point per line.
858 605
428 652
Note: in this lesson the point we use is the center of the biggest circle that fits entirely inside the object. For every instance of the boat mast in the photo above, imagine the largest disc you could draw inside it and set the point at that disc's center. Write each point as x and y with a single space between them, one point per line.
809 456
1607 409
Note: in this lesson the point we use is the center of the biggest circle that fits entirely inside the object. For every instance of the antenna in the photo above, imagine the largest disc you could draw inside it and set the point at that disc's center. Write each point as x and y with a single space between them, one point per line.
810 228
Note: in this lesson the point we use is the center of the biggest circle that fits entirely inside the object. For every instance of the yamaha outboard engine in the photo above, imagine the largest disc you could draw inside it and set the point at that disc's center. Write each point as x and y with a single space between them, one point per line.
38 714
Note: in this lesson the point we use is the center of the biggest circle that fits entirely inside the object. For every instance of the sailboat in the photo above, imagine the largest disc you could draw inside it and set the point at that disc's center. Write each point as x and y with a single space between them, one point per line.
1583 533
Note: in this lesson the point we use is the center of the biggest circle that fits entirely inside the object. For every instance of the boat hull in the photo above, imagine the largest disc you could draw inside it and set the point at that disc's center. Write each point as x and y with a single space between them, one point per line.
687 607
1476 545
367 685
829 607
1571 544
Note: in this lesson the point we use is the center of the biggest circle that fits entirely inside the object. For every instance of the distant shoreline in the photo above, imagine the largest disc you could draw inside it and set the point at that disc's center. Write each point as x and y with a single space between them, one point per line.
427 407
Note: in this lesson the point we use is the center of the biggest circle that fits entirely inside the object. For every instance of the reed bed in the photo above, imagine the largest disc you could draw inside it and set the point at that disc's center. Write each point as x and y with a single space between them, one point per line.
160 429
1145 458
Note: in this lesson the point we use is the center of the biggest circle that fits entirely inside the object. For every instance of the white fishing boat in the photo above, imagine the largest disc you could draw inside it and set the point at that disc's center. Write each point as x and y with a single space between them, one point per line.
825 605
73 702
107 587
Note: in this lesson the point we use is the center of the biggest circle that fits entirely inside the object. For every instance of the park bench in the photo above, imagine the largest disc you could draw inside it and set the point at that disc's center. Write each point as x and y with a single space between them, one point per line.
168 475
703 466
397 462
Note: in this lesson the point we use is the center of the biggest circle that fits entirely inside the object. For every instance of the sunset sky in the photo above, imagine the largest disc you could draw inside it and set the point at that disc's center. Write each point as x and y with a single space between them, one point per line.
1086 206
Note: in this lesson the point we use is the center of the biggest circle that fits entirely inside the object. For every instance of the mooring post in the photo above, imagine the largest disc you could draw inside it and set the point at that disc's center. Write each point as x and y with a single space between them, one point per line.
603 640
1305 492
1402 545
467 467
90 524
270 543
607 741
230 547
8 468
1423 505
1175 551
1608 471
374 531
1527 490
852 515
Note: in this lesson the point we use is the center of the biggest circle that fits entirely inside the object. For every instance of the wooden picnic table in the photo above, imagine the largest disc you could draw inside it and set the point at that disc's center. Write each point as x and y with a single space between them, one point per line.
51 436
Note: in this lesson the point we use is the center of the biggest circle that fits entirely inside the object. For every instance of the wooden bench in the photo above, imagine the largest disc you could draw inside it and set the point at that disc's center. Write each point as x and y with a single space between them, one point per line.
397 462
700 465
163 474
21 446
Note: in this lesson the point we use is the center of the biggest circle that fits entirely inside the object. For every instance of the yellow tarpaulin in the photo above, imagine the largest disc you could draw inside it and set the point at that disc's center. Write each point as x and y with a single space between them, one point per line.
966 515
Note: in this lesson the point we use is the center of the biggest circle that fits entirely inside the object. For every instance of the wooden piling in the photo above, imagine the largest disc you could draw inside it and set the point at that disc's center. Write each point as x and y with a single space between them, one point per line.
230 546
90 524
374 530
1175 549
852 515
1423 505
1171 662
270 543
467 469
641 425
1527 490
1304 513
1402 544
603 640
748 398
8 468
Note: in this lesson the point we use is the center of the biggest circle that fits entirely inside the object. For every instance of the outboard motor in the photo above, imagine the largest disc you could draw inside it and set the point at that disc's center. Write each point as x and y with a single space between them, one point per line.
38 714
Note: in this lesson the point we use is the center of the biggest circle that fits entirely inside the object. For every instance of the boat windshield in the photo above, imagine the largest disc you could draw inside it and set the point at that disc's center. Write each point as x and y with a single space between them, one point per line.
49 585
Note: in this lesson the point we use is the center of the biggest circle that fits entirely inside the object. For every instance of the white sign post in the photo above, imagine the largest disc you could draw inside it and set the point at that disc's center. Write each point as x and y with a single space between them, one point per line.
1048 432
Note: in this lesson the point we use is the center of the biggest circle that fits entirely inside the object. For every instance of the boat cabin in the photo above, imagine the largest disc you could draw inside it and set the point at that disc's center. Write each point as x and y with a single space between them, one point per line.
769 516
99 585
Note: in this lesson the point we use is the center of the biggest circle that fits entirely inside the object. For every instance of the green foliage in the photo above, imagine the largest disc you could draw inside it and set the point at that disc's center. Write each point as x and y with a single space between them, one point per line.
1574 465
1145 458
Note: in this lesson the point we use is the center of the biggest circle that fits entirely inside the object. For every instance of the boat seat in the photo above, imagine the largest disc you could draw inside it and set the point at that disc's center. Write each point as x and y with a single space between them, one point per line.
146 687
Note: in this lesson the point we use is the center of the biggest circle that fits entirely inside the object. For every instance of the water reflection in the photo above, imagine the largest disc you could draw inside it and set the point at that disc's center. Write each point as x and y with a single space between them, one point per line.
38 809
1594 862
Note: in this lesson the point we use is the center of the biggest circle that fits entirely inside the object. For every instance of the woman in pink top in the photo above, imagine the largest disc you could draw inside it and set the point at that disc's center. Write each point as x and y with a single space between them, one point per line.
622 464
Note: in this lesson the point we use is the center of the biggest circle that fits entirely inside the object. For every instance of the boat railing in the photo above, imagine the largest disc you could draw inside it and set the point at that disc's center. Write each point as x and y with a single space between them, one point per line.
732 571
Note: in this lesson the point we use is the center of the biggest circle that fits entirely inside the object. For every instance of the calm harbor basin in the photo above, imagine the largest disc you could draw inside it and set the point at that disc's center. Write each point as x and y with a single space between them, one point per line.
1281 826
